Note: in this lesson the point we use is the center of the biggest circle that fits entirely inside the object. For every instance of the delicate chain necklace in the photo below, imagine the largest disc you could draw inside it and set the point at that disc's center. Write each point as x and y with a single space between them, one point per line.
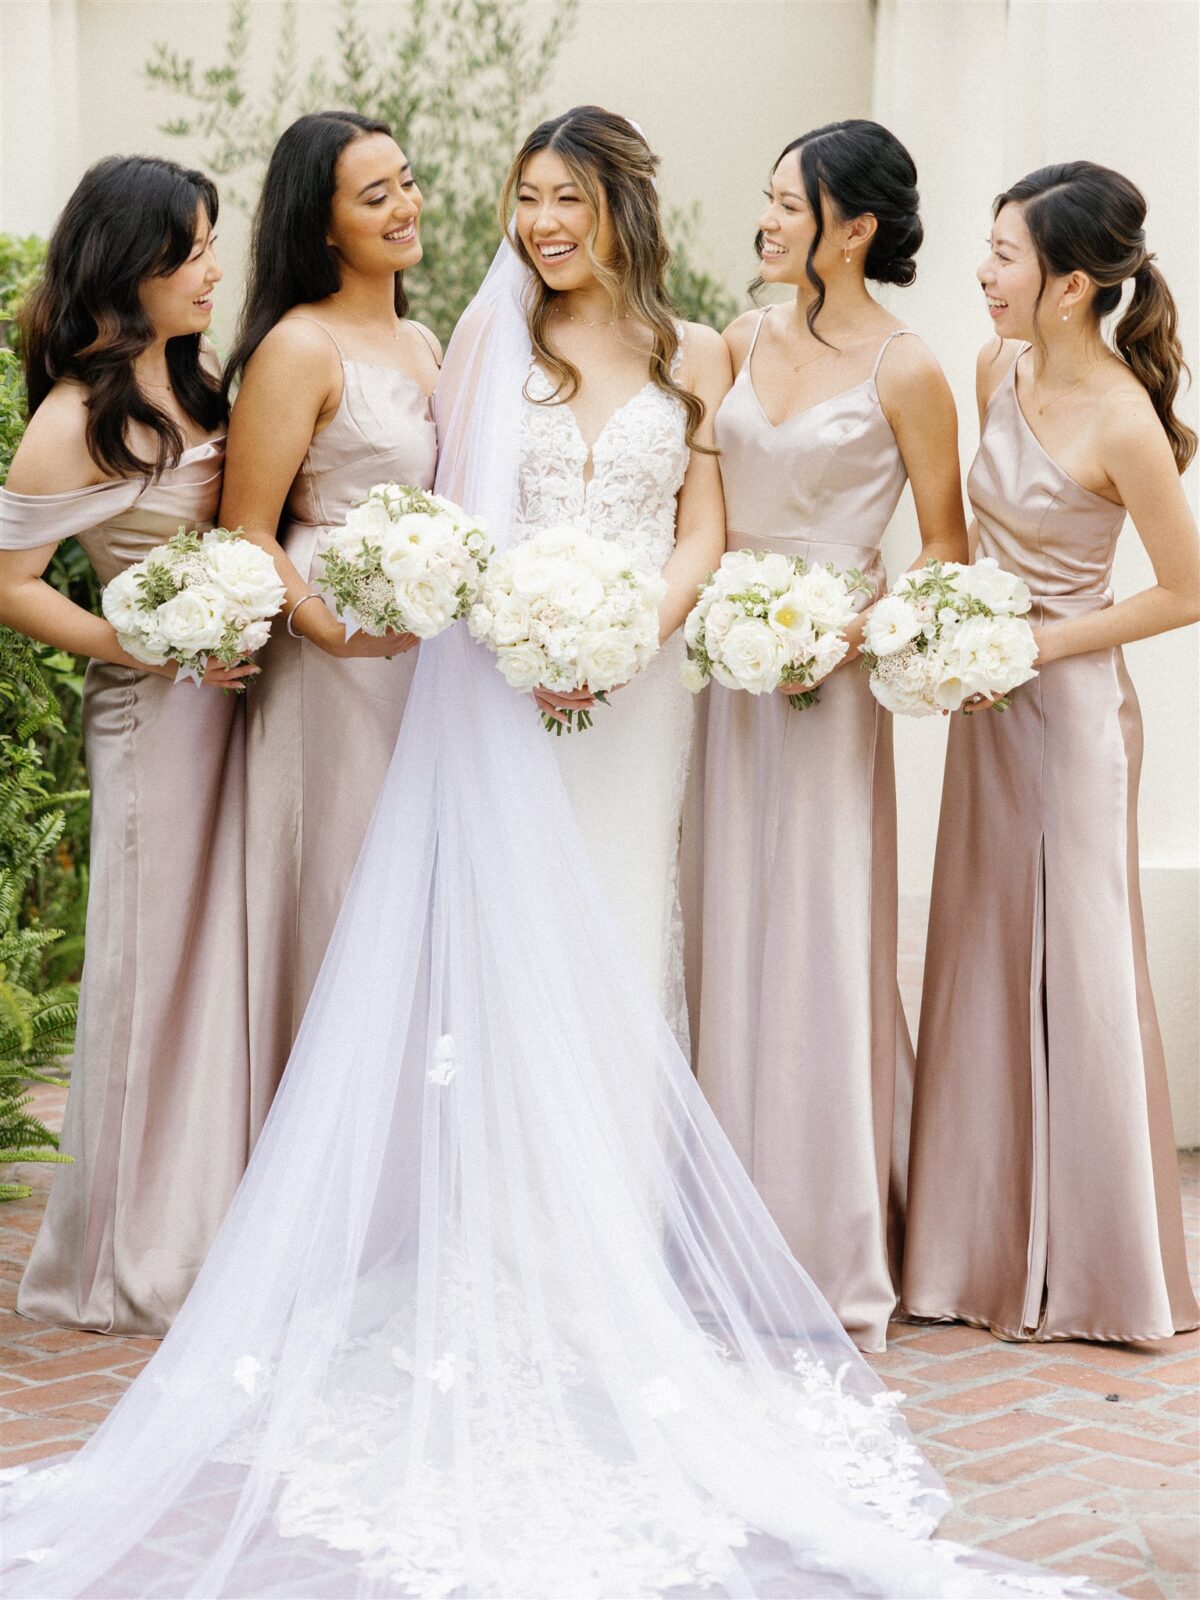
395 330
798 366
607 322
1061 395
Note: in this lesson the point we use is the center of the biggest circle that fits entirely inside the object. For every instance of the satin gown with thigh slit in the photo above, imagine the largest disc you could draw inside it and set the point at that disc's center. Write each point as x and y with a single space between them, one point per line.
1044 1186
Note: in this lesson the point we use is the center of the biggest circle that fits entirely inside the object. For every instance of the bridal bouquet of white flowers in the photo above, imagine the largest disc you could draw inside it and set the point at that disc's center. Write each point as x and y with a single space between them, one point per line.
764 620
566 610
947 631
197 596
404 560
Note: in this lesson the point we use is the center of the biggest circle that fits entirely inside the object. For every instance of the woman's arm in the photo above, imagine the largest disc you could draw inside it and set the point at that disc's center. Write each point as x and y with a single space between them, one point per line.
292 386
1139 463
700 520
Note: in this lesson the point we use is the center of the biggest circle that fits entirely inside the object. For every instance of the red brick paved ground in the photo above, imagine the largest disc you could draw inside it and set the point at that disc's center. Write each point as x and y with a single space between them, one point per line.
1080 1456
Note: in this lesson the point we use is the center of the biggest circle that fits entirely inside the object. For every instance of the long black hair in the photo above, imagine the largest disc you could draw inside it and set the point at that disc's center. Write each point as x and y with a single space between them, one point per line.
130 218
858 167
1086 218
291 261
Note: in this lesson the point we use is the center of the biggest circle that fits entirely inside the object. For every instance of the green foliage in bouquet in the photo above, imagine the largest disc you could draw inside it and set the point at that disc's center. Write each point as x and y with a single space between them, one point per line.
460 83
37 1013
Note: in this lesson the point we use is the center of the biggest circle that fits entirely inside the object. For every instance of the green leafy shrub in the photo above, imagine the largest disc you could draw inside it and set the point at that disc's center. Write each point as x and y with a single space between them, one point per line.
461 85
43 809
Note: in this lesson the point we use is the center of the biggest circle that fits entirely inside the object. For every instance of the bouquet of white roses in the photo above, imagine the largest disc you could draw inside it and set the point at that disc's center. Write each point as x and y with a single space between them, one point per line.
404 560
197 596
947 631
568 611
765 620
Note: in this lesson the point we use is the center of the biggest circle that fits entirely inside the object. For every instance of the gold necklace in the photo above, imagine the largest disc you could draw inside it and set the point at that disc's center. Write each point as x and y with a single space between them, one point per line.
395 330
800 366
607 322
1061 395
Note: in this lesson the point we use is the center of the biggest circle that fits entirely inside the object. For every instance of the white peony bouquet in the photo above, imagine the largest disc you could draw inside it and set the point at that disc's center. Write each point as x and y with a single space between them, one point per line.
406 560
567 610
764 620
197 596
947 631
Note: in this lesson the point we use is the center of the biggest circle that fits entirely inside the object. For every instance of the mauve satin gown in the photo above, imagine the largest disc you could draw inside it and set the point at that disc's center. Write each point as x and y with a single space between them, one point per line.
790 874
158 1116
1044 1186
320 731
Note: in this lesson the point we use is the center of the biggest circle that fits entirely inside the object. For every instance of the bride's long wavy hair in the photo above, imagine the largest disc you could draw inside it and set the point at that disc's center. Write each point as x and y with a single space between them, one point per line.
608 158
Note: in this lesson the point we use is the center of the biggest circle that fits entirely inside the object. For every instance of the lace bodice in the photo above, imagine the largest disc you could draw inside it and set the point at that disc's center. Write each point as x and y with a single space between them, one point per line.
638 465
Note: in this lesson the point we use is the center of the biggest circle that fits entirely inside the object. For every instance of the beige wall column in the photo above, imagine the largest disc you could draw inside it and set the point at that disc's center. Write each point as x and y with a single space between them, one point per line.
40 144
983 92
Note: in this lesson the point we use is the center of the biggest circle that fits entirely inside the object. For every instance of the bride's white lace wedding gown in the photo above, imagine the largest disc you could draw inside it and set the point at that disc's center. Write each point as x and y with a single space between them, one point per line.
469 1329
625 776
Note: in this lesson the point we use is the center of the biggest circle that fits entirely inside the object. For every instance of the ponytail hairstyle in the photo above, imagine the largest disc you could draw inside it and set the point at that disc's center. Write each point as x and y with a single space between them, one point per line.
605 154
857 167
291 261
1085 218
130 218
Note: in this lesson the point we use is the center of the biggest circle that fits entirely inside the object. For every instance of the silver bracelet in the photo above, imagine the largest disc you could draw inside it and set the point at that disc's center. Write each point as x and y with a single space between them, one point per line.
303 600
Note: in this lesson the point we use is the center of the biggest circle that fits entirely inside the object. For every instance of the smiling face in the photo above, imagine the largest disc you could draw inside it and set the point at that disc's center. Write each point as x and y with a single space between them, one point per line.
182 302
788 228
374 219
555 220
1011 276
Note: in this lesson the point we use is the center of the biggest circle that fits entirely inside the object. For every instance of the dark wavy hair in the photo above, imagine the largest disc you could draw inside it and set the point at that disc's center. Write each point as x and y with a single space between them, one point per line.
291 261
605 154
1085 218
130 218
858 167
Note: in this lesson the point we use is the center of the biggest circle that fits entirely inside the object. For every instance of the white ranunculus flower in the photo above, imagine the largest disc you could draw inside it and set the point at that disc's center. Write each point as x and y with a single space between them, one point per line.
1001 592
245 574
369 521
510 621
691 675
829 649
428 606
991 655
607 659
255 635
891 625
524 666
776 571
738 569
193 620
119 602
824 596
754 654
722 615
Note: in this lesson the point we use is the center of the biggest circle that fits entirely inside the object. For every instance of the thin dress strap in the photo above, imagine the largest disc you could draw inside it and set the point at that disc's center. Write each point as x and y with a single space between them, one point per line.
299 316
898 334
762 317
428 338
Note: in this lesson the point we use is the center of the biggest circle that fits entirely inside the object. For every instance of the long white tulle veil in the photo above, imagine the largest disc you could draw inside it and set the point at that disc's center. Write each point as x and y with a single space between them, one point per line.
496 1311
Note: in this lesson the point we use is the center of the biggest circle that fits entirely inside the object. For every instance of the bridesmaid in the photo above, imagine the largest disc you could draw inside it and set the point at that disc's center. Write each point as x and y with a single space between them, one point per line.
334 397
1045 1189
125 442
801 1045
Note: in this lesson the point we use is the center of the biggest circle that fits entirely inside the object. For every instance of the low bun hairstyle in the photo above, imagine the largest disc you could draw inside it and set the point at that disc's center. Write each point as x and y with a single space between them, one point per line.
859 167
1086 218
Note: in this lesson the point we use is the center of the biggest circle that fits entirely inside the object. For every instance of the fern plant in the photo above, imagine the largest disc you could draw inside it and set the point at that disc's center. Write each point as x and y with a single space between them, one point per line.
37 1019
461 85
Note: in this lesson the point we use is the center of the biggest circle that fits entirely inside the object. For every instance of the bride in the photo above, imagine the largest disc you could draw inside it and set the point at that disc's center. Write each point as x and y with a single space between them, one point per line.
616 439
465 1332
